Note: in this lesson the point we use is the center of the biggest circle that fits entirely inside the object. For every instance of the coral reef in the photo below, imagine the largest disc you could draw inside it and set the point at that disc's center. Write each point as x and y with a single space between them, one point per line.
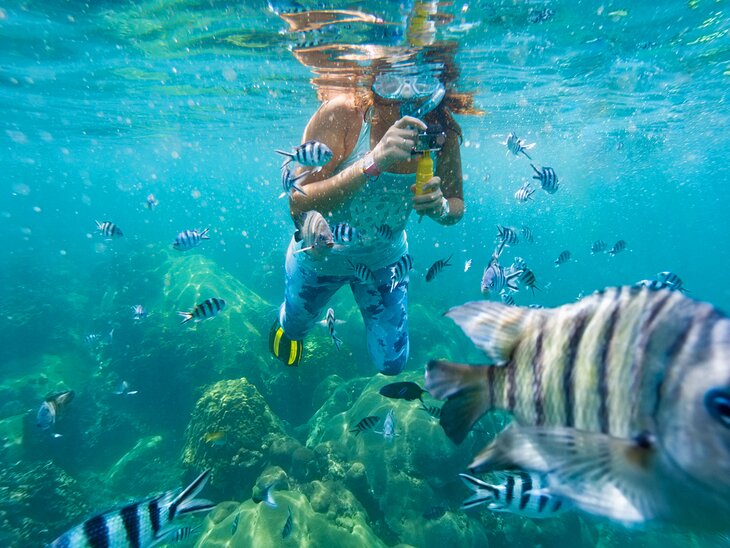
230 432
38 501
251 524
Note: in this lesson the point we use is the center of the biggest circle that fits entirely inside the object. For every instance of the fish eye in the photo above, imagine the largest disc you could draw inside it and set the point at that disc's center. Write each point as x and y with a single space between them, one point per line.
717 402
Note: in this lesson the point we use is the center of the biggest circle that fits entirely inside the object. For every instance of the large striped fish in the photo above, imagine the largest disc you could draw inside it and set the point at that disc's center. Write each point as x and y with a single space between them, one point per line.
517 492
140 524
622 399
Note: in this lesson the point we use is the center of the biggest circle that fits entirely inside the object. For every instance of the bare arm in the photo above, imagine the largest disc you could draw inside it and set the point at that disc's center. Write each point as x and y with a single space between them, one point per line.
337 124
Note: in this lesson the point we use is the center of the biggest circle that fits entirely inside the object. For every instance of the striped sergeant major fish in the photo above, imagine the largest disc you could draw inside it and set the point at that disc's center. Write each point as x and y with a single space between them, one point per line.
311 153
362 272
527 234
188 239
547 177
290 182
343 233
527 278
507 235
142 523
330 319
182 534
437 267
517 146
384 232
563 258
315 234
109 230
288 525
622 399
507 298
664 280
517 492
524 193
495 279
206 310
599 246
365 424
399 271
618 247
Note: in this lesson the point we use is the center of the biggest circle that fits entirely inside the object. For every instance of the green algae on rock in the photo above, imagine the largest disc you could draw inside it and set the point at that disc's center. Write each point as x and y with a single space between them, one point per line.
236 408
261 526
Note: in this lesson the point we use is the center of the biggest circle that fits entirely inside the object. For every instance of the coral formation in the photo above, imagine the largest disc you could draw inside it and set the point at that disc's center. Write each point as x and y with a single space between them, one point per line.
230 432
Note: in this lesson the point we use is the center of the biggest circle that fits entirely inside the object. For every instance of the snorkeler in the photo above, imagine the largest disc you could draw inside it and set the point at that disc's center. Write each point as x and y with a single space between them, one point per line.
369 185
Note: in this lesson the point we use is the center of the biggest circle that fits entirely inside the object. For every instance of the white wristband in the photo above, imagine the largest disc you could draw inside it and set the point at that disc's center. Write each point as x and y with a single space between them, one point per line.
445 210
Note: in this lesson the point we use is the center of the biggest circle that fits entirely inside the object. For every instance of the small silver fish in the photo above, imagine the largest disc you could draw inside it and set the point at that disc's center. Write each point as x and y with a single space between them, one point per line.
467 265
495 279
311 153
527 234
563 258
519 492
138 312
123 390
524 193
599 246
93 339
437 267
152 201
517 146
288 525
400 270
206 310
362 272
188 239
548 179
618 247
330 319
316 235
290 183
109 230
388 432
507 235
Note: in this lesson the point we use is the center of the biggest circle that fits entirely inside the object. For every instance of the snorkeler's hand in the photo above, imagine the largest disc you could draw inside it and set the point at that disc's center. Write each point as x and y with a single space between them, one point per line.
398 142
431 201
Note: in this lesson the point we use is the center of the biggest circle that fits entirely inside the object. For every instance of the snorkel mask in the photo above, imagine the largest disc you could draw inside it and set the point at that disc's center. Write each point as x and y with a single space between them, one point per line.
410 90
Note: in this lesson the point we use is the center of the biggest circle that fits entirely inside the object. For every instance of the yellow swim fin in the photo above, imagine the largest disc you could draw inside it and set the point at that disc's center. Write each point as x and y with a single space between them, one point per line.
283 348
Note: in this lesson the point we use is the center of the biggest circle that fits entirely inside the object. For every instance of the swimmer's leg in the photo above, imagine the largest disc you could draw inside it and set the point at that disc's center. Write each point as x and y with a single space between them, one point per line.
385 314
305 296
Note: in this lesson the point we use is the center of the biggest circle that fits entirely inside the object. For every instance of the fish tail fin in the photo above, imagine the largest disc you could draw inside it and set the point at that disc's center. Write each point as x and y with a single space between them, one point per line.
337 341
524 150
289 155
298 189
448 261
187 315
282 195
204 234
466 391
186 503
98 225
535 169
308 248
483 492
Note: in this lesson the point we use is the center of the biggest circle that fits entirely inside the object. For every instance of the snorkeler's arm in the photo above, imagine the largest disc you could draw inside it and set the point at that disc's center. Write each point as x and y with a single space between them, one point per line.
337 124
449 171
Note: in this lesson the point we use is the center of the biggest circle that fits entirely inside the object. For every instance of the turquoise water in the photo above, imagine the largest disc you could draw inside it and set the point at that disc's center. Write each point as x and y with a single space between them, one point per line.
106 103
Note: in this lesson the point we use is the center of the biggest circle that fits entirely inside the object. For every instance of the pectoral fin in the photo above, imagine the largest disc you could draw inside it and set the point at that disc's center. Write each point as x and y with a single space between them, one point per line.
603 475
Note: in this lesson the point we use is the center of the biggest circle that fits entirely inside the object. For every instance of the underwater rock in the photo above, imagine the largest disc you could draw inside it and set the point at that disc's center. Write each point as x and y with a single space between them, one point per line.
397 480
261 526
230 431
38 501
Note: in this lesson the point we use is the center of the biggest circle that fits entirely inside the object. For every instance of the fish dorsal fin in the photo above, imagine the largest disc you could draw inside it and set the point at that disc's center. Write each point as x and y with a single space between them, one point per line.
600 474
493 327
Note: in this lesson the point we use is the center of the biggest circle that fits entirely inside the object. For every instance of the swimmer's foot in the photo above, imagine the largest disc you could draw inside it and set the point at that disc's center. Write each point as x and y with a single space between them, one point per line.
283 348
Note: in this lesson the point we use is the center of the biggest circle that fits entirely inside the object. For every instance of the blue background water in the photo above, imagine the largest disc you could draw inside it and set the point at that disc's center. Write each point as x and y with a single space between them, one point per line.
105 103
